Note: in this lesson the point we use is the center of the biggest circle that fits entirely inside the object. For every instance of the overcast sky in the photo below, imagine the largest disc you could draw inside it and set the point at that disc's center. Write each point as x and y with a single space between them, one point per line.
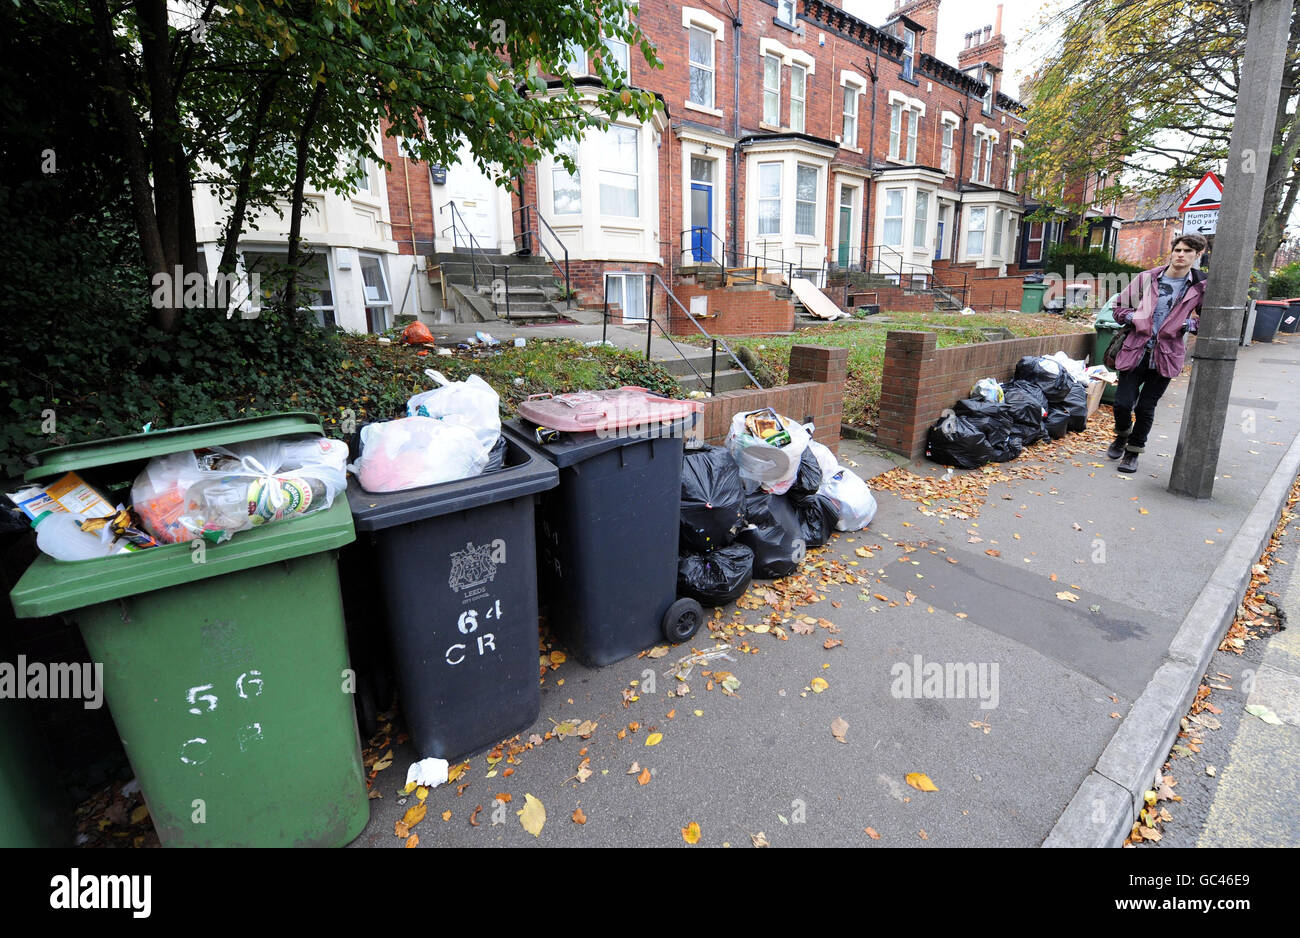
959 17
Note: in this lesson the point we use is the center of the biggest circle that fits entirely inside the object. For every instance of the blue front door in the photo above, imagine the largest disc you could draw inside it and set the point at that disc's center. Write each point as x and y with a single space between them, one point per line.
701 221
938 243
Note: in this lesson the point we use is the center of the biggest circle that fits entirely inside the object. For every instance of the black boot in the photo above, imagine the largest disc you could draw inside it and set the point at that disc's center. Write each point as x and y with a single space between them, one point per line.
1129 463
1116 449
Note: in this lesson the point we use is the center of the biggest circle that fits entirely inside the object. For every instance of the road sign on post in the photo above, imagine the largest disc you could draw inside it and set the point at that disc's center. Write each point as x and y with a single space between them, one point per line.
1207 196
1201 222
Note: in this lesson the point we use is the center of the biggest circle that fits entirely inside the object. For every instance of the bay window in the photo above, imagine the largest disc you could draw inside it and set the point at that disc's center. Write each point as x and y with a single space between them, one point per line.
920 223
975 232
619 175
769 198
893 231
805 200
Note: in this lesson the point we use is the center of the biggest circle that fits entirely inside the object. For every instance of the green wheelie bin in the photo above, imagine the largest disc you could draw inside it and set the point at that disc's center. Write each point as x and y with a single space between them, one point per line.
225 666
1106 327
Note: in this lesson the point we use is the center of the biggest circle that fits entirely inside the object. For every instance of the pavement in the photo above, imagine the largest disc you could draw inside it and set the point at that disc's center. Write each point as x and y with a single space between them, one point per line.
1071 620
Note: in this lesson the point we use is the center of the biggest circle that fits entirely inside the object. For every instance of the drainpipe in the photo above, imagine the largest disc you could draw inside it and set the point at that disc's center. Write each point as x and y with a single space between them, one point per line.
961 184
870 188
735 132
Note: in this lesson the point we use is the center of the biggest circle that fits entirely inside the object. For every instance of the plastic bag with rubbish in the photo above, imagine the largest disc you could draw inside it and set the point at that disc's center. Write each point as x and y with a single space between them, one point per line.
818 517
853 501
772 464
471 403
1051 378
717 577
997 423
216 493
713 499
416 451
1027 405
807 481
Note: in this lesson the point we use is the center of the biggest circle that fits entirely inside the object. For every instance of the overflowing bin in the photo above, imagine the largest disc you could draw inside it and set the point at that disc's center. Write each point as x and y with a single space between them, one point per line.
225 665
452 577
608 535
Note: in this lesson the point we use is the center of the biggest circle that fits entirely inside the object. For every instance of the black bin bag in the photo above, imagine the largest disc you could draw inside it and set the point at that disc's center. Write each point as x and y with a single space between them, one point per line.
1027 405
716 578
807 481
713 500
1051 378
1076 404
817 519
955 440
1057 421
994 418
774 534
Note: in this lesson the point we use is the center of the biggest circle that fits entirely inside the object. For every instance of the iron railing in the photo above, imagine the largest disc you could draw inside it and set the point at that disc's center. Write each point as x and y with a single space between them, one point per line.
528 233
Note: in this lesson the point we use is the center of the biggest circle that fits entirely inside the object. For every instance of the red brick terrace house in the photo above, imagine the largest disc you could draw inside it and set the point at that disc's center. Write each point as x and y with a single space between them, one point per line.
794 138
1149 225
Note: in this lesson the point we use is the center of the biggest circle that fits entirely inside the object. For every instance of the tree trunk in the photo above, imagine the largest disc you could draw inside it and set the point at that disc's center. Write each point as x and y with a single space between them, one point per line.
127 125
235 224
299 183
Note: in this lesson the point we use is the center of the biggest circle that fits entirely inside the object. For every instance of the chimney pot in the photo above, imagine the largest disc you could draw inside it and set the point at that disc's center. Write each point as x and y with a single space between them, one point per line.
997 21
988 33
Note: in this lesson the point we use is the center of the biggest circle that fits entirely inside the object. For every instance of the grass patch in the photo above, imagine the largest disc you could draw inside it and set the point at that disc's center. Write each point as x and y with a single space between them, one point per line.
866 344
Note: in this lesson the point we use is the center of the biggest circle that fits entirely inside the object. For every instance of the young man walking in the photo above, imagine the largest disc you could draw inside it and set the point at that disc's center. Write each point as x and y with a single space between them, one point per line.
1162 304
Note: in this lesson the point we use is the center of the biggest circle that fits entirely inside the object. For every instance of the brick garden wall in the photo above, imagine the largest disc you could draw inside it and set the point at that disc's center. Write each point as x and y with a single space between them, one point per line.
919 380
816 390
740 310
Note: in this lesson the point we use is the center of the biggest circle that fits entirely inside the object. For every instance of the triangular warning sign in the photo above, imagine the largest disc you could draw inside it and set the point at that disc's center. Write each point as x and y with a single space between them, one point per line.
1207 195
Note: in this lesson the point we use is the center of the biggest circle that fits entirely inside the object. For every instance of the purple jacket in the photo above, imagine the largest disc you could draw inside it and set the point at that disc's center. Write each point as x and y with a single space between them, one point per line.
1137 304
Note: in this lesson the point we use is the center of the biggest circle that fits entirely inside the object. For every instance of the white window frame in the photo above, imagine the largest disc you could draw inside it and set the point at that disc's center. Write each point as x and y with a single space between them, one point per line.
780 170
619 50
365 185
621 172
909 54
1040 241
320 309
704 21
971 231
895 129
913 132
887 217
575 58
948 147
999 225
771 90
622 277
902 108
559 172
853 87
817 187
798 100
781 7
385 305
1013 164
921 221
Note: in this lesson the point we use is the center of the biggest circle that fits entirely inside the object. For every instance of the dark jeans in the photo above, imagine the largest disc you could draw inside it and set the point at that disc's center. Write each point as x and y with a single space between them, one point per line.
1143 386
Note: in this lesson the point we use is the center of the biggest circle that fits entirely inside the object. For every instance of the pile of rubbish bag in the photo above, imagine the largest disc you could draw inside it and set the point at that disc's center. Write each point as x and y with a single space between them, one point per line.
1047 398
754 506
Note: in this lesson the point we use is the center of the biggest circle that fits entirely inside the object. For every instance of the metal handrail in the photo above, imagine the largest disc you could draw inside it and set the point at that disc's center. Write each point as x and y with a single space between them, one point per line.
526 232
704 332
708 251
455 240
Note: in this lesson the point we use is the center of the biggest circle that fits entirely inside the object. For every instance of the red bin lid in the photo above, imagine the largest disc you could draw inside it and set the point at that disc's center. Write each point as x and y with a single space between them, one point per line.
581 411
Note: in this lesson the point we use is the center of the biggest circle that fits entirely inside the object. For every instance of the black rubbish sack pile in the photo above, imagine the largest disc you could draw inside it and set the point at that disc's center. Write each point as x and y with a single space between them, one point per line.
719 577
775 535
713 499
1042 401
1027 405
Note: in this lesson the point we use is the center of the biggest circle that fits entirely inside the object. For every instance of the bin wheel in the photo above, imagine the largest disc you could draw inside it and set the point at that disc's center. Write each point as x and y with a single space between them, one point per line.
682 620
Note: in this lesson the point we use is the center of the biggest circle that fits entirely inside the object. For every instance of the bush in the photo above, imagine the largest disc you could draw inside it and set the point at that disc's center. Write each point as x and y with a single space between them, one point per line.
1095 261
1285 283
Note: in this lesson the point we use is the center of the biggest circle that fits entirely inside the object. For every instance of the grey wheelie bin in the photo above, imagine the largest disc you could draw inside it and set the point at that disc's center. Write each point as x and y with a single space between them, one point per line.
452 573
608 535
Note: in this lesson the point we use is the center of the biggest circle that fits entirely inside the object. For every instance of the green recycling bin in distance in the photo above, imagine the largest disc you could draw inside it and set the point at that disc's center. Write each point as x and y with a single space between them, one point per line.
1032 299
1106 327
227 678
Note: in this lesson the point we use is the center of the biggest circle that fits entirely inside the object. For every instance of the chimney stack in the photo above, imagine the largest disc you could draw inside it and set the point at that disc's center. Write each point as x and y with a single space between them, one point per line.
924 13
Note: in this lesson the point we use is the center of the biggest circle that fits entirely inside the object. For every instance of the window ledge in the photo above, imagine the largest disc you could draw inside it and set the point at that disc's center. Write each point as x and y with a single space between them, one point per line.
910 81
763 125
845 146
692 106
